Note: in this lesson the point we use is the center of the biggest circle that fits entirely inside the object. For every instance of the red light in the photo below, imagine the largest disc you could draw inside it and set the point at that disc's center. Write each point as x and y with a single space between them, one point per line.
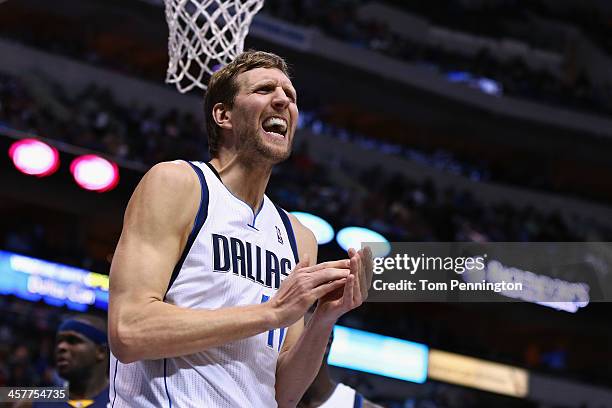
94 173
33 157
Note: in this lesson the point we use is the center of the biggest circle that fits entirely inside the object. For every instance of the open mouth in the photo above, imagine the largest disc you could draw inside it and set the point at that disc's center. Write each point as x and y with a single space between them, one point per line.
276 126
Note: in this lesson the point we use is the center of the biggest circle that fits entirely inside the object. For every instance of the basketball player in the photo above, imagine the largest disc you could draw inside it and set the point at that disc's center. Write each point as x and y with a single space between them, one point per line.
81 358
210 280
324 392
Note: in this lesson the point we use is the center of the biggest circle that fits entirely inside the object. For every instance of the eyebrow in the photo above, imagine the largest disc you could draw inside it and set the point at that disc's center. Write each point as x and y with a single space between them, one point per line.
287 87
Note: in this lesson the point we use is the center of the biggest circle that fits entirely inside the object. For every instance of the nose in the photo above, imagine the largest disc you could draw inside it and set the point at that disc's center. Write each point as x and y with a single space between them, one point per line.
61 346
281 100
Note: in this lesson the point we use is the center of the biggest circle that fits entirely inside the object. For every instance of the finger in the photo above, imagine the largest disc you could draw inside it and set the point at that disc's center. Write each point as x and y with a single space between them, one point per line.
365 277
363 280
369 265
351 252
325 275
341 263
328 287
347 296
356 273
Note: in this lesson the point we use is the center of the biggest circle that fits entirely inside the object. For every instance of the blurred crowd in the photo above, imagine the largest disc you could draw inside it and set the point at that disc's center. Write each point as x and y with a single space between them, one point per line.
94 120
494 17
100 45
340 20
27 341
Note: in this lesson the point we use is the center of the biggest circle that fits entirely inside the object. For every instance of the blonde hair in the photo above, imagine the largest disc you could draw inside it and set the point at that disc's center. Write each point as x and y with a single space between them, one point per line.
222 87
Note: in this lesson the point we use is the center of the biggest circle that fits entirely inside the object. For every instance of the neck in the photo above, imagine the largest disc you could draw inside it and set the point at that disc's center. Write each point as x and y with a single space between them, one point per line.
320 390
246 180
90 386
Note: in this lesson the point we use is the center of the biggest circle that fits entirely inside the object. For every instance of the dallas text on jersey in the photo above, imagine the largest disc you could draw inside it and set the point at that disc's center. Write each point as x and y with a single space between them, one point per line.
239 257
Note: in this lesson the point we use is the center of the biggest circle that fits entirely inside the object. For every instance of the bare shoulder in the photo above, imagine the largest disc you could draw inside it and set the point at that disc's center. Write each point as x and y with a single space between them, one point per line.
306 241
169 190
170 177
301 231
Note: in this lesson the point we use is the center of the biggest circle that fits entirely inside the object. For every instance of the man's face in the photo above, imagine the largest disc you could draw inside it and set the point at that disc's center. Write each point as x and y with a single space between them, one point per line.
264 116
75 355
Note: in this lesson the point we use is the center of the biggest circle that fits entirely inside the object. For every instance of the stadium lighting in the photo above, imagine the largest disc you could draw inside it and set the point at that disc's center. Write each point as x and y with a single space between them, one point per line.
354 237
33 157
321 229
94 173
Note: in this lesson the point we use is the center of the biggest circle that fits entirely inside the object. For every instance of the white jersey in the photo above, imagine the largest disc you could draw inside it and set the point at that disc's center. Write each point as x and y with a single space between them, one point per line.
233 257
343 397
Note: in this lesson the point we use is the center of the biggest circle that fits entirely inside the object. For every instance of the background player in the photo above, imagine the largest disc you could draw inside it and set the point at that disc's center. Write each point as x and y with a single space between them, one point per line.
196 301
81 355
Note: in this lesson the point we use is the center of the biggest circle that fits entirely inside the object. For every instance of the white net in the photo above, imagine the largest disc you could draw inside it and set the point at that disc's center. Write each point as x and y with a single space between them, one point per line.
204 35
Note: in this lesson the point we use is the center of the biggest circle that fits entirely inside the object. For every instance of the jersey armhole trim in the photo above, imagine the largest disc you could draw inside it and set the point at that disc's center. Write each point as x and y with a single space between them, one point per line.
290 234
114 385
358 400
197 225
166 385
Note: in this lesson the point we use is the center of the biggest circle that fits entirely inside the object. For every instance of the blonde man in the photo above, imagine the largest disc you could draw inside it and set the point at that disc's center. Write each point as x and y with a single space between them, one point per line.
207 290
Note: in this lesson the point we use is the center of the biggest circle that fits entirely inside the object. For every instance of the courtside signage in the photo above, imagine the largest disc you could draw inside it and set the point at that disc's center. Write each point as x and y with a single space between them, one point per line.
377 354
480 374
56 284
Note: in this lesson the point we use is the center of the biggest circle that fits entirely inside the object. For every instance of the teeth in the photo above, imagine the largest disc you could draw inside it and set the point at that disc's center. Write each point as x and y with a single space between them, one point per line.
275 121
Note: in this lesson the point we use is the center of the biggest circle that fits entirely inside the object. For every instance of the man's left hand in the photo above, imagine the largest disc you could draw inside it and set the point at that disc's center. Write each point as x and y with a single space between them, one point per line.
354 292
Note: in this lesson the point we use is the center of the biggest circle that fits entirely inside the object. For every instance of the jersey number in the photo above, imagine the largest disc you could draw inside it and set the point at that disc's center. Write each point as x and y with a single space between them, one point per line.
271 335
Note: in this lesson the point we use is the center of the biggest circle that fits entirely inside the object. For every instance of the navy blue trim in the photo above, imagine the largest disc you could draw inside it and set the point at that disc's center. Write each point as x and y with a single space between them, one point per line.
114 385
215 172
212 168
197 225
258 212
358 400
290 233
166 386
282 335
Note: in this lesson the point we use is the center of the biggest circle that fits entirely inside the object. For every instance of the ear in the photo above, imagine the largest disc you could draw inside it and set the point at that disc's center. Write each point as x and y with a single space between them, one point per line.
222 116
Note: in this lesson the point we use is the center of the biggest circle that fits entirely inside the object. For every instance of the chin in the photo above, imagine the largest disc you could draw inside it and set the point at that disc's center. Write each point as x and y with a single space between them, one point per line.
258 148
278 157
274 153
66 374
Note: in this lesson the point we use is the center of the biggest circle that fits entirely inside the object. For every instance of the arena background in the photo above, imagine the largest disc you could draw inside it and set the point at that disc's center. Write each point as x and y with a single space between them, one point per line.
459 120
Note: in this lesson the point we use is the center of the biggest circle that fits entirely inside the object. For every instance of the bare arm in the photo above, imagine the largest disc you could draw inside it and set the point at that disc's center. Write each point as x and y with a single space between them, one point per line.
156 226
302 354
157 223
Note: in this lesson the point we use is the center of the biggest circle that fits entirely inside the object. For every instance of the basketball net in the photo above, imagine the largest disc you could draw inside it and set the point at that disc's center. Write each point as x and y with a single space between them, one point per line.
203 36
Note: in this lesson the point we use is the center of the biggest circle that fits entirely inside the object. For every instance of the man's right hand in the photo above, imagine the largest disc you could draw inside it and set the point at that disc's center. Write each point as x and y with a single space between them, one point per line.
304 286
